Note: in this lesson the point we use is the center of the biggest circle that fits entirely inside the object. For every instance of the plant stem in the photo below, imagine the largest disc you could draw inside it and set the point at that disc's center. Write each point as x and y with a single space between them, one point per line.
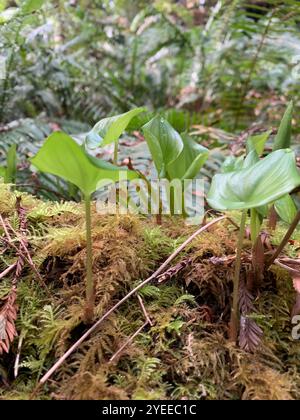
90 287
286 238
236 281
116 148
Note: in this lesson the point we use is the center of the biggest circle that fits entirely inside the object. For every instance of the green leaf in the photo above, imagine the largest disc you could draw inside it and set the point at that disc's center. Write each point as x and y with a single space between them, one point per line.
30 6
11 165
62 156
102 164
190 160
283 138
286 208
250 159
258 142
232 163
164 142
2 172
264 182
108 130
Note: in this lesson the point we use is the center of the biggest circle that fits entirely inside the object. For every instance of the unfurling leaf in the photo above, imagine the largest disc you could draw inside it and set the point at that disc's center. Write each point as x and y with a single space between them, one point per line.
108 130
164 142
283 137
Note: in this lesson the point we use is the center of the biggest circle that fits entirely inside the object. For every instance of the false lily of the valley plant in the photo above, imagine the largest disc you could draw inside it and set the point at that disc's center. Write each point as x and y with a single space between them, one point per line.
175 156
254 184
108 131
62 156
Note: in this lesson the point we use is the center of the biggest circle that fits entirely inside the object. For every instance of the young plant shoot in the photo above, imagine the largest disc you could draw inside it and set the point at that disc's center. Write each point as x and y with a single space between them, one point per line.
252 186
108 130
62 156
175 156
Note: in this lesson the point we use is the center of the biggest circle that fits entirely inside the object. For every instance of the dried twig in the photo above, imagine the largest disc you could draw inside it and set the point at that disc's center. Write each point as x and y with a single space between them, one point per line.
144 311
7 270
130 339
17 361
160 270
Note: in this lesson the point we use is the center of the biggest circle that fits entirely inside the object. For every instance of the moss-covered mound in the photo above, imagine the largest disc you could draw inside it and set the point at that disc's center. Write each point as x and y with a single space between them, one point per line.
184 354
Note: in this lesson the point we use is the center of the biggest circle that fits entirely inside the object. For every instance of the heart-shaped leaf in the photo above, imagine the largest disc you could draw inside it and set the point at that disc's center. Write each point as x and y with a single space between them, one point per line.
62 156
164 142
262 183
190 160
108 130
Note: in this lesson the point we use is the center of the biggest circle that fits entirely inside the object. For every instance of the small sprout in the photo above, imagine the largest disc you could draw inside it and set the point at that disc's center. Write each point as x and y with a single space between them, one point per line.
62 156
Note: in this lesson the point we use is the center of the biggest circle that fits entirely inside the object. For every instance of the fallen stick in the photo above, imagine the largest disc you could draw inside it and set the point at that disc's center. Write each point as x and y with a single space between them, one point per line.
130 339
7 270
17 361
61 360
145 311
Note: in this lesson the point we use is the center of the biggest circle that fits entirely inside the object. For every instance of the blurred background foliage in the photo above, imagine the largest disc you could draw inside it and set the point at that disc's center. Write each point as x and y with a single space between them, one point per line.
215 67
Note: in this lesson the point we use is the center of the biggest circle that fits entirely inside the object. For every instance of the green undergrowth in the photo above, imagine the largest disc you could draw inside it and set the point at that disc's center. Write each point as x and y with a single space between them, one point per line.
184 355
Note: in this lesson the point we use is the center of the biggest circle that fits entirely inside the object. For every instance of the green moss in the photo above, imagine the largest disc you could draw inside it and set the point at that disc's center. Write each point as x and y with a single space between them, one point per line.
185 354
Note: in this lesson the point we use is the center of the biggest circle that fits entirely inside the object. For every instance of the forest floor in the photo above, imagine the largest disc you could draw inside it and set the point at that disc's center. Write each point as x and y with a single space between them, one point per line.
184 354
